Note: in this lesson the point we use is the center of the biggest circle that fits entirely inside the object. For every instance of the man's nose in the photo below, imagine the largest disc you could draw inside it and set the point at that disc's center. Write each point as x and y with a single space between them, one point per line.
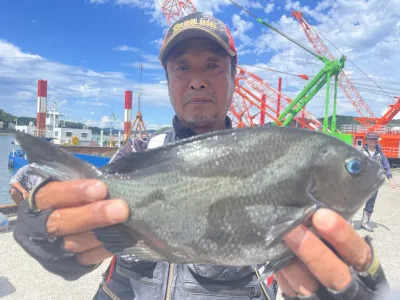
198 84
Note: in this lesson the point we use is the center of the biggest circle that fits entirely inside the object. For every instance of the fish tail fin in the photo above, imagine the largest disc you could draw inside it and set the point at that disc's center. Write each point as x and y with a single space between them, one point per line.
49 160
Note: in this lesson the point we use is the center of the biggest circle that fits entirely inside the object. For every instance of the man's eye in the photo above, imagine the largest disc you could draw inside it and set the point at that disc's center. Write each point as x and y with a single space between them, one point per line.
212 66
182 67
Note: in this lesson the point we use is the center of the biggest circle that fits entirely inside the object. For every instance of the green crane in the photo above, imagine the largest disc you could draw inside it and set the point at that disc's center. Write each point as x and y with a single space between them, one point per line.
330 68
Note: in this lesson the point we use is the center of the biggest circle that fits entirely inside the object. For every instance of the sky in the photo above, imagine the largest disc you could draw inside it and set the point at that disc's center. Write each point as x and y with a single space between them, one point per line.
88 51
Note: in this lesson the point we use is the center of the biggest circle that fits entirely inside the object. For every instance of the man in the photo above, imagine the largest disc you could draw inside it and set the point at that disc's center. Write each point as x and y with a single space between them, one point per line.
22 183
374 150
199 58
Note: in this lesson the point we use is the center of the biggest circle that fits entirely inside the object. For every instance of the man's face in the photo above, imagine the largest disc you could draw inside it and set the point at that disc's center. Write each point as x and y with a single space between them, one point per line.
200 83
372 142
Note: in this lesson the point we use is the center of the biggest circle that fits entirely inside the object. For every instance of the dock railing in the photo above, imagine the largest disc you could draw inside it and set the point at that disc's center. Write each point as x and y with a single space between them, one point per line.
386 129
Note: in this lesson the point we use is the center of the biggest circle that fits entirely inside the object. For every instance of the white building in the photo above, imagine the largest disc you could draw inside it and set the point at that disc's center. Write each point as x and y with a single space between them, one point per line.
62 136
29 129
55 129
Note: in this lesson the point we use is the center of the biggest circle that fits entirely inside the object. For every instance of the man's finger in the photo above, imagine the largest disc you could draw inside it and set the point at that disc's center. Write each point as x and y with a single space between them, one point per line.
284 285
319 259
93 256
81 242
336 231
67 221
300 278
70 193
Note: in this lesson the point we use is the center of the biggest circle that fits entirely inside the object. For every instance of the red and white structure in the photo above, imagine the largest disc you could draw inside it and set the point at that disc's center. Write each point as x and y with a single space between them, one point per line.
41 108
128 113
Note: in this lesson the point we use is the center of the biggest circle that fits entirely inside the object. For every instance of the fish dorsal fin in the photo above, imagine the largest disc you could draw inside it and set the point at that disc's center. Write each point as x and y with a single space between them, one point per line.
133 161
141 160
51 160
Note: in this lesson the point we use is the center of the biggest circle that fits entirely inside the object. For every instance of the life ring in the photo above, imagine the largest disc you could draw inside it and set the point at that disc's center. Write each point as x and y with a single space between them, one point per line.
75 140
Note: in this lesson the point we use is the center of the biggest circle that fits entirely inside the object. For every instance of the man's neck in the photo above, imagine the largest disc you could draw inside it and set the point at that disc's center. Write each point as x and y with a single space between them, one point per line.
183 131
371 149
201 130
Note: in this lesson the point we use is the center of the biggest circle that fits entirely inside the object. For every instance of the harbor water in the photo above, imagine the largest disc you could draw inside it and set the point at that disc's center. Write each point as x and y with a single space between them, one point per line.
5 172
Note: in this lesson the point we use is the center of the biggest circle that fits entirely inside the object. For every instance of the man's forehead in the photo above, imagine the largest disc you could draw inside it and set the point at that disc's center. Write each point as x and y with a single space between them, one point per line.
197 44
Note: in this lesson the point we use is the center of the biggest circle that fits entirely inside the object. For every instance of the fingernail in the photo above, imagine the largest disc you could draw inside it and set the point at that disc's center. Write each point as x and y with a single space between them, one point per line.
325 218
117 211
296 235
96 191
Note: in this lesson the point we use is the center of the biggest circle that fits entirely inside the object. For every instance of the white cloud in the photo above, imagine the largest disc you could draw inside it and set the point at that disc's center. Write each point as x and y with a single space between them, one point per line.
79 87
145 65
11 54
105 120
269 8
240 27
150 62
151 58
98 1
158 42
126 48
150 126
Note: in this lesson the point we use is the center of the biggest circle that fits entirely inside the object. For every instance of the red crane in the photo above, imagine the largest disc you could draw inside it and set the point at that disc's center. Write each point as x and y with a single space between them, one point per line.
253 96
392 111
367 117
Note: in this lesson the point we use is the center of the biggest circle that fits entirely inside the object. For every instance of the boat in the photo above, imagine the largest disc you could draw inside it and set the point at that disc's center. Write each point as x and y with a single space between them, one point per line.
78 141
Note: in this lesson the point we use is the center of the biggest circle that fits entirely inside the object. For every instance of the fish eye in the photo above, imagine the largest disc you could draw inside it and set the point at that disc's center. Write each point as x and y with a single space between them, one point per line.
353 166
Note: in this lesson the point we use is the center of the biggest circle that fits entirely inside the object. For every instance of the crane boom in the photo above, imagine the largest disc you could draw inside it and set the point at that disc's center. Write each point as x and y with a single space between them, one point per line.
176 9
263 88
344 82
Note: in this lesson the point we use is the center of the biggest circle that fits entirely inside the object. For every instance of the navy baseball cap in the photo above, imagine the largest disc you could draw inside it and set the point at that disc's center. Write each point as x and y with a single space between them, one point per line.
198 25
372 136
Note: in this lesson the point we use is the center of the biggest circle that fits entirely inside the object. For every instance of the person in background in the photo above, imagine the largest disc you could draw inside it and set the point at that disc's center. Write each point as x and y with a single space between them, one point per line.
374 150
22 183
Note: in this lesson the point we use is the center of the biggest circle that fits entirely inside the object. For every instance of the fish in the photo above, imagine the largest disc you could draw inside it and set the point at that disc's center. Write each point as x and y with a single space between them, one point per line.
226 197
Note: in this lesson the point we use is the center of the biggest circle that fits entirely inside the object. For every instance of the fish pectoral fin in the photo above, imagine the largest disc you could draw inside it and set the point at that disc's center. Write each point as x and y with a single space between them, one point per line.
142 252
277 231
116 238
49 160
142 243
119 239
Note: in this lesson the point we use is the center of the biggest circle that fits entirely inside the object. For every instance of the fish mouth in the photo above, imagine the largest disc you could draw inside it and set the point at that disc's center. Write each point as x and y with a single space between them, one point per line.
309 191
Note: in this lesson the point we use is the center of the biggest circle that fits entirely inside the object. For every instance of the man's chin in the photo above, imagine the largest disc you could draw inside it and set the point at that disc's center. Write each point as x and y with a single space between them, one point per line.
199 121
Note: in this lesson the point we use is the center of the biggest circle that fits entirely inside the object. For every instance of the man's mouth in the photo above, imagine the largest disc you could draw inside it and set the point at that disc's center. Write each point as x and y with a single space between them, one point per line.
200 100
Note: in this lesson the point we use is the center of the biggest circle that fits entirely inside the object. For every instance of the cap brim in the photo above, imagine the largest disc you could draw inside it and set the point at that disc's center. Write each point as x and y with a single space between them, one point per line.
192 33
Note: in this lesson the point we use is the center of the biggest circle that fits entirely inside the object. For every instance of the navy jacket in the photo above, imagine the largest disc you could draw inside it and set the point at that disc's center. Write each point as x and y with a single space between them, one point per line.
380 157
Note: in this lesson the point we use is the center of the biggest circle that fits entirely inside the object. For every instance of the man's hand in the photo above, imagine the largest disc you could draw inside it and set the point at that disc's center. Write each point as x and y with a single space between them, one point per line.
315 263
18 193
392 184
79 207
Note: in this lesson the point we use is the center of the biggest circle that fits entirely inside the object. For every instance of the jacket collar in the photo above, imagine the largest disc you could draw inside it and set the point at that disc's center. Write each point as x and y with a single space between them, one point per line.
182 132
377 148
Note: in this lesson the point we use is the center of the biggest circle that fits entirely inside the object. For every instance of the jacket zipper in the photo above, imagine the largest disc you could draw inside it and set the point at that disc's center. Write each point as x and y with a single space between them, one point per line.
109 293
169 283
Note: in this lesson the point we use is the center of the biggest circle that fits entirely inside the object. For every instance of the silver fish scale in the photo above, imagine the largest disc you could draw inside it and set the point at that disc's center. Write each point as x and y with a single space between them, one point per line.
182 197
